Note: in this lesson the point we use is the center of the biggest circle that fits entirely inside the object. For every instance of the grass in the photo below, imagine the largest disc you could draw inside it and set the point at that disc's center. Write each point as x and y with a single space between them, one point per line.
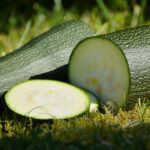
125 130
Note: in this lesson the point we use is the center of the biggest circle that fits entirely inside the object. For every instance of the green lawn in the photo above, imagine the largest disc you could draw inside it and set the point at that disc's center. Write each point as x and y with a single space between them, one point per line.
124 130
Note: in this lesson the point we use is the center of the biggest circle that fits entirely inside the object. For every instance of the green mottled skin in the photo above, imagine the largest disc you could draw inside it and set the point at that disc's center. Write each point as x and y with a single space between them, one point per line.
42 54
135 43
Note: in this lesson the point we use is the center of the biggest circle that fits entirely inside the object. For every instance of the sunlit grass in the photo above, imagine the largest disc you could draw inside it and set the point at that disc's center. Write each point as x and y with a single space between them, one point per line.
100 19
95 130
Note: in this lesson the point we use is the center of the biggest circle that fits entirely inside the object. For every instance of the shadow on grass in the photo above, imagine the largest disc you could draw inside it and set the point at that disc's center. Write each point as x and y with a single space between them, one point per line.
74 138
89 131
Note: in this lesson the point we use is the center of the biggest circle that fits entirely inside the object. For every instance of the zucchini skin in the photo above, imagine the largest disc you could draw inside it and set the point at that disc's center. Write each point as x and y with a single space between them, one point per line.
44 53
135 43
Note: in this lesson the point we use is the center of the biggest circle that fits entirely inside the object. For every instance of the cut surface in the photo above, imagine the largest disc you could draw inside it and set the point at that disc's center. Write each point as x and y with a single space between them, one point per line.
94 104
47 99
99 66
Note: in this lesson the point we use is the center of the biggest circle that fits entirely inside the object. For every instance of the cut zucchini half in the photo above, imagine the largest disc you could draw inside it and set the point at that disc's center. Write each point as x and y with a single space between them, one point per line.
47 99
99 66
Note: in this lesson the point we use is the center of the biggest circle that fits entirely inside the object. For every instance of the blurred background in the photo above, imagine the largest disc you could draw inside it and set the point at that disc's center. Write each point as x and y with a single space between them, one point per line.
21 20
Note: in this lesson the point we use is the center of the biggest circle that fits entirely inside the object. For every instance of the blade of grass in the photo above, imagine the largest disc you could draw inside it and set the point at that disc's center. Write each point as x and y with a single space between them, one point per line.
135 15
27 28
104 9
58 5
138 13
106 13
141 15
142 110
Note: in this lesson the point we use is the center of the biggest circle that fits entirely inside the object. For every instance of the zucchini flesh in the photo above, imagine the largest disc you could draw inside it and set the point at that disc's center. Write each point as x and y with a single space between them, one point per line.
47 99
135 43
94 102
99 66
45 53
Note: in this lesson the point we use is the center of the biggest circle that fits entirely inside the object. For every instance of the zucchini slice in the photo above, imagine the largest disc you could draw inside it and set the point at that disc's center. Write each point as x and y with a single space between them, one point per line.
99 66
47 99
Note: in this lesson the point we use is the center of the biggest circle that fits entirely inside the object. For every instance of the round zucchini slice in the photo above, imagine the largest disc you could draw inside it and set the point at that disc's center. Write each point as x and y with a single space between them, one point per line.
99 66
47 99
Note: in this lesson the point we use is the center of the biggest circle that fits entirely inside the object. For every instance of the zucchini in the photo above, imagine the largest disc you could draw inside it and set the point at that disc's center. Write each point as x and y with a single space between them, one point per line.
47 99
45 53
135 43
99 66
94 102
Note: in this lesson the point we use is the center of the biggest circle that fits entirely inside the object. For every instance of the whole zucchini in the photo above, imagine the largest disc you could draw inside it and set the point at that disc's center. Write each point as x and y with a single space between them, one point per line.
46 52
135 43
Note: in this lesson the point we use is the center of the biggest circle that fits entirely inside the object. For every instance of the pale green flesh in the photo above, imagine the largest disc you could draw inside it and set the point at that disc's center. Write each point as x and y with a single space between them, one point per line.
99 66
94 104
47 99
